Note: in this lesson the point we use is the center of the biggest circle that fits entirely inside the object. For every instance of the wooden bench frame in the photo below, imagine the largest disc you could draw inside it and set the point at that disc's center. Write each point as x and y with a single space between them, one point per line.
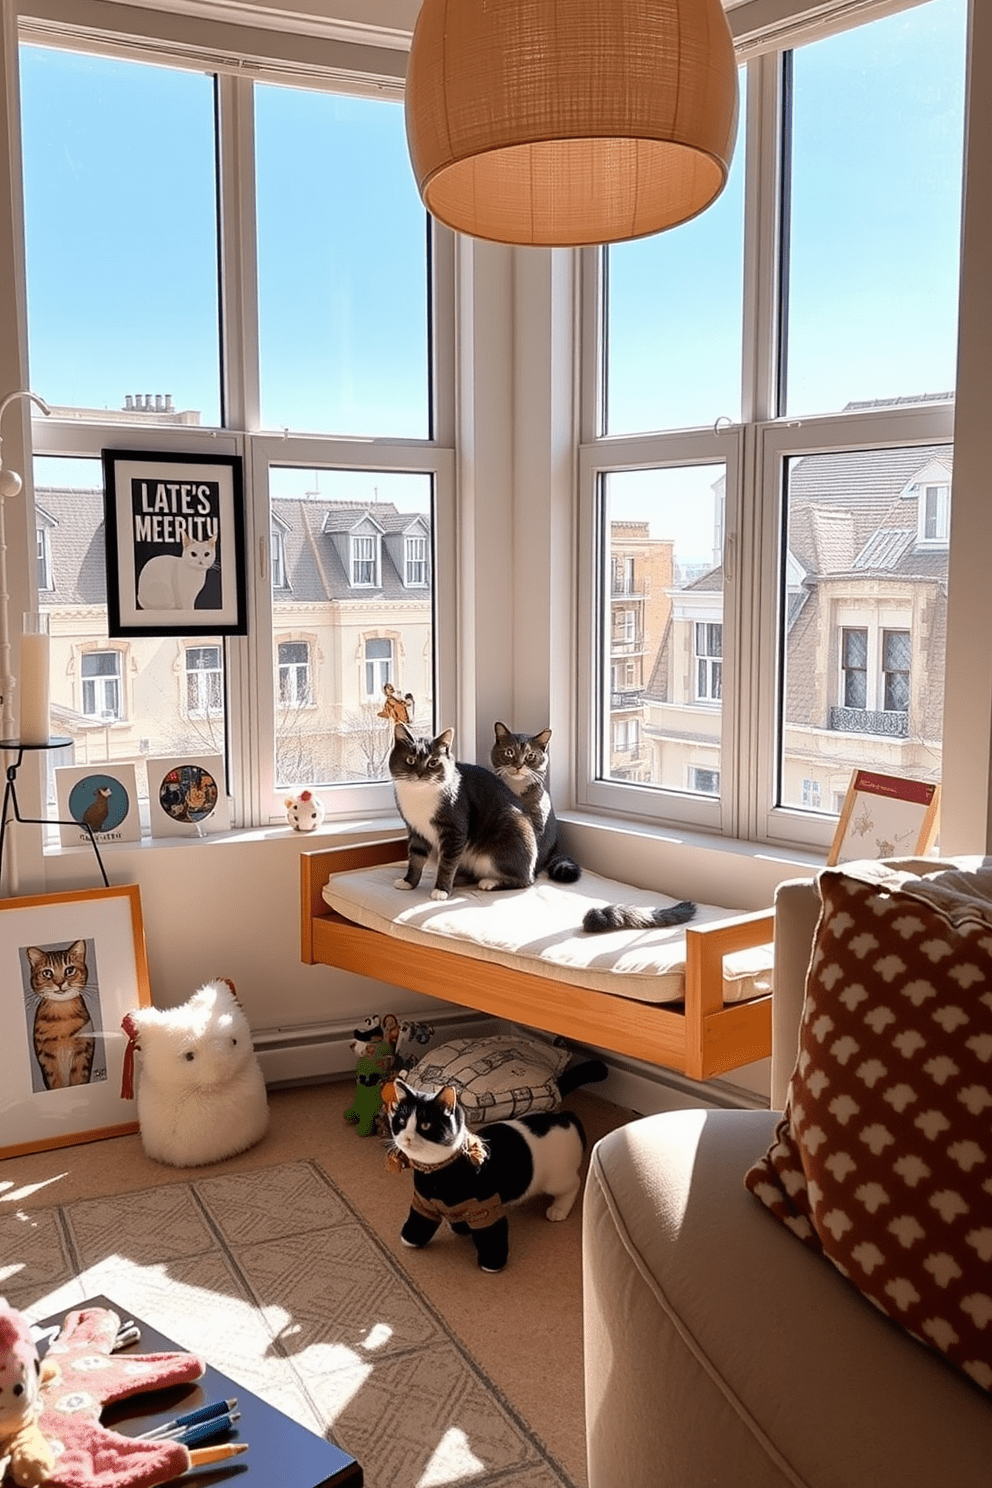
705 1038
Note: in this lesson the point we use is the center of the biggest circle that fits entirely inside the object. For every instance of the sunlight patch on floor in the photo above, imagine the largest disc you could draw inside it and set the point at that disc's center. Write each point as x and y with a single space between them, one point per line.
452 1461
10 1195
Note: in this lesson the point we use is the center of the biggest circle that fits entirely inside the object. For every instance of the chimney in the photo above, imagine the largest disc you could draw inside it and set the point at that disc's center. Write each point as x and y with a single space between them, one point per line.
129 403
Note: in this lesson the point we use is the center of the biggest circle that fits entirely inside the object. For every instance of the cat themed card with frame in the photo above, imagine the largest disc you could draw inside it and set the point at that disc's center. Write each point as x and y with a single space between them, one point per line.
71 966
102 797
187 796
885 816
175 544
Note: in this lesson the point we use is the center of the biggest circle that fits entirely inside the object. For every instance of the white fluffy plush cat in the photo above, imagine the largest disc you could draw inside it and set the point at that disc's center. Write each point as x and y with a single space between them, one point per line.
173 580
200 1092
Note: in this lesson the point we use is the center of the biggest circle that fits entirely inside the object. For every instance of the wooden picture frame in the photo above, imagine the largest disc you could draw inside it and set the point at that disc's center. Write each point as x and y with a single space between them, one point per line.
61 1077
885 816
175 544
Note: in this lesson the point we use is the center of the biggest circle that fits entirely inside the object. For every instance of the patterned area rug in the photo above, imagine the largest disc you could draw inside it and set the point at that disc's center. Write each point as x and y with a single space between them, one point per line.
273 1277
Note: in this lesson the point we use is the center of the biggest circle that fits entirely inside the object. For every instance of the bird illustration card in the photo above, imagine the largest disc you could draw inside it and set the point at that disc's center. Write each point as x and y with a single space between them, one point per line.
103 798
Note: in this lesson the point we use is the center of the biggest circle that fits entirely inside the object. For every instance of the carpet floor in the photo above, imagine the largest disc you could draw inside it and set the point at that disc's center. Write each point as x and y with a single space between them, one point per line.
283 1268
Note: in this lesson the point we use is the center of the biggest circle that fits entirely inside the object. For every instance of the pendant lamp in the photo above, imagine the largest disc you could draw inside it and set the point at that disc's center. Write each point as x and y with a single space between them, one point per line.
568 122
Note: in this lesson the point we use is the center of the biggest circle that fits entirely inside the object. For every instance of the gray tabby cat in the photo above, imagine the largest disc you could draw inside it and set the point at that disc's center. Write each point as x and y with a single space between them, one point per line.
521 760
464 813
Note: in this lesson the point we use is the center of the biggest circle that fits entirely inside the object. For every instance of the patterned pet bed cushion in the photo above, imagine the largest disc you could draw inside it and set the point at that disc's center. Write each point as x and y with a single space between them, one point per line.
496 1078
883 1159
539 930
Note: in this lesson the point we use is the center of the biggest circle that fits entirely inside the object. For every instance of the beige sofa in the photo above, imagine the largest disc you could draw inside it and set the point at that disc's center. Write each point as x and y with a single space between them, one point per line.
719 1350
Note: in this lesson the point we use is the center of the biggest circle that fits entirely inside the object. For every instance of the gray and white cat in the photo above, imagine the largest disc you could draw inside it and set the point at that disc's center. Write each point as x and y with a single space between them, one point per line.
521 760
462 813
467 1178
172 581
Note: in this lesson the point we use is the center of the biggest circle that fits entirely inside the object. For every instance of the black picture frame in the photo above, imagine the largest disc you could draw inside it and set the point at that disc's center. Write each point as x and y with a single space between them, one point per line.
155 506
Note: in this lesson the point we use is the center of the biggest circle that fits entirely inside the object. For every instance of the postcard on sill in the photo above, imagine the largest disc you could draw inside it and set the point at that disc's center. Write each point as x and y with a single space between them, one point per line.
885 816
103 797
187 796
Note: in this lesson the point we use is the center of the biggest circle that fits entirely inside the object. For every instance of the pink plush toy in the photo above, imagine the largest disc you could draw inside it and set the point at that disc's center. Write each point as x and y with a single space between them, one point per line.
89 1375
24 1452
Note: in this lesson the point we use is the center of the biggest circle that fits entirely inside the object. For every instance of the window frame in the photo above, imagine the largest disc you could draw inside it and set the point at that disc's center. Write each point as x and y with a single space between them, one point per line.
755 453
250 674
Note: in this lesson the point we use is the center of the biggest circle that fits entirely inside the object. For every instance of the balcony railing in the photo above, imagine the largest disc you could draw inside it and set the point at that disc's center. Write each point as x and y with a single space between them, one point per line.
632 699
865 721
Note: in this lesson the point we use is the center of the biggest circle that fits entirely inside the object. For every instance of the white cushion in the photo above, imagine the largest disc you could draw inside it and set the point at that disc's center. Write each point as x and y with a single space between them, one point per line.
539 930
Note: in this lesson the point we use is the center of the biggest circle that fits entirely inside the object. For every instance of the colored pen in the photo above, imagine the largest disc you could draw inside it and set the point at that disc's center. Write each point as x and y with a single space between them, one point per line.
192 1436
191 1418
203 1455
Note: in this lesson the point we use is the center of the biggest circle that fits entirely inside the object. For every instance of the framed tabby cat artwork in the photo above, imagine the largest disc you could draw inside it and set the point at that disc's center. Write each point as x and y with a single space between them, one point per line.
175 544
71 966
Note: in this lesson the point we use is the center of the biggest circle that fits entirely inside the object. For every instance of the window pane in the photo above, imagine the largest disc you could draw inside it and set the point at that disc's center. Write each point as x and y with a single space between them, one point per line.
660 667
876 210
121 228
343 329
866 608
120 699
673 318
369 650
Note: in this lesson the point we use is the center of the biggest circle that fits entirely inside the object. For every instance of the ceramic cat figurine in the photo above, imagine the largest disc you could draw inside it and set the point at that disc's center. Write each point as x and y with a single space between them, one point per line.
521 760
468 1178
64 1037
463 813
172 581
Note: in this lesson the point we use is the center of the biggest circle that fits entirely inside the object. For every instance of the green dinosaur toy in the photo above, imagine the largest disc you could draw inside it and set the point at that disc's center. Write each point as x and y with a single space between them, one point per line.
375 1062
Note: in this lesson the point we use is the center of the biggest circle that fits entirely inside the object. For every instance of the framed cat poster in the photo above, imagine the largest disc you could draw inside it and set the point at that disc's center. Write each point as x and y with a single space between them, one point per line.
187 796
103 797
71 966
175 544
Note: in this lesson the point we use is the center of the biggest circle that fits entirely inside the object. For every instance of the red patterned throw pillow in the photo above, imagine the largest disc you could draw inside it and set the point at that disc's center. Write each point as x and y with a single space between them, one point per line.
883 1159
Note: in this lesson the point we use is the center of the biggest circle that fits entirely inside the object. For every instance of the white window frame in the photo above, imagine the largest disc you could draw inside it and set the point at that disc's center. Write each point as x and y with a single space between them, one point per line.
416 562
98 683
753 451
203 672
365 555
306 61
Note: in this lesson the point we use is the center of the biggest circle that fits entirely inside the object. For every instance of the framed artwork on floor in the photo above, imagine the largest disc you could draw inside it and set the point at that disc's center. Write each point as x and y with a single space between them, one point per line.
105 796
175 548
71 966
885 816
187 796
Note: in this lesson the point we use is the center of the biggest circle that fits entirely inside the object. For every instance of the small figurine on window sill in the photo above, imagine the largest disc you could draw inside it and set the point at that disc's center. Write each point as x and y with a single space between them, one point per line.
305 811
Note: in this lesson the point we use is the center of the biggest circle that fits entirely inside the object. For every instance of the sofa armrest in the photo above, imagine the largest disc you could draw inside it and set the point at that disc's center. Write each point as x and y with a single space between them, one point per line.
797 909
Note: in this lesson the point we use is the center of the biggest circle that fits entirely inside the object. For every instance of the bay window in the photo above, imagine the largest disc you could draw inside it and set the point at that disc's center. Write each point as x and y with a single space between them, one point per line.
236 261
768 399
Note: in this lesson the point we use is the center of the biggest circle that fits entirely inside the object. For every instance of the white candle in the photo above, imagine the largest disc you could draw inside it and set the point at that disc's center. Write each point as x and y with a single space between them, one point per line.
35 724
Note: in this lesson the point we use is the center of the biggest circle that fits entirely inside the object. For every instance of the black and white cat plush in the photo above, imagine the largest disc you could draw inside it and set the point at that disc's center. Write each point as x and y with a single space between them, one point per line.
468 1178
521 760
474 823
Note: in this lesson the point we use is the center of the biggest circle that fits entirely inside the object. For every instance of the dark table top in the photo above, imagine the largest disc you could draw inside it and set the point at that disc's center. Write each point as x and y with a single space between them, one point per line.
281 1452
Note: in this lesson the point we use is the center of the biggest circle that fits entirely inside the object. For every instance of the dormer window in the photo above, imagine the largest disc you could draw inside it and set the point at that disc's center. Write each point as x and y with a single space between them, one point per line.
277 541
46 579
415 562
365 562
935 514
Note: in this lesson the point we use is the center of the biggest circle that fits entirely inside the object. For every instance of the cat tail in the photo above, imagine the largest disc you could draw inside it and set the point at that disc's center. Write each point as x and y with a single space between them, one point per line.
585 1073
629 917
563 869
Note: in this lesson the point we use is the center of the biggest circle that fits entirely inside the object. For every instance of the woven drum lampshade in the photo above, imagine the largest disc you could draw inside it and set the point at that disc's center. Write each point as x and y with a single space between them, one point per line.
567 122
